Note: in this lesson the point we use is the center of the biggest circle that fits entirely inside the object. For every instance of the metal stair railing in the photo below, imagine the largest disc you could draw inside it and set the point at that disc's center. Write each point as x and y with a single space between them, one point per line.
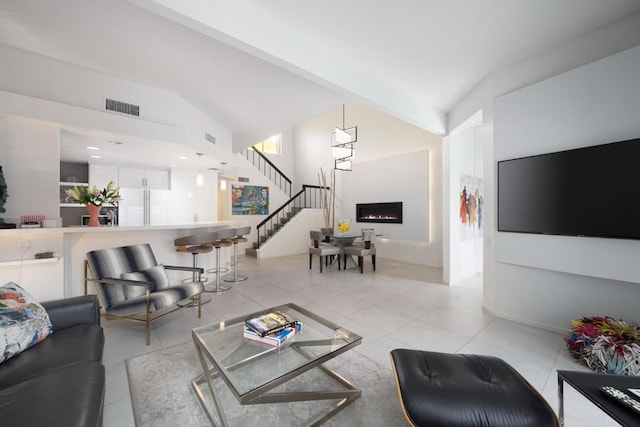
308 197
268 169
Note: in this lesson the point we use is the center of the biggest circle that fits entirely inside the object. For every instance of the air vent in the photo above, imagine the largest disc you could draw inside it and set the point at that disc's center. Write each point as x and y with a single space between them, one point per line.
210 138
243 179
123 107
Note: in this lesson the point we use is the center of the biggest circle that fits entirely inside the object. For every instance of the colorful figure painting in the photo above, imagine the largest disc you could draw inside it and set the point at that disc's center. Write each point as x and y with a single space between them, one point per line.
471 207
249 200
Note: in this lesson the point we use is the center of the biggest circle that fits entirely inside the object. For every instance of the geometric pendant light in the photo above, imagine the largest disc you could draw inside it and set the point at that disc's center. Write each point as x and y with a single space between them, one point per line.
342 145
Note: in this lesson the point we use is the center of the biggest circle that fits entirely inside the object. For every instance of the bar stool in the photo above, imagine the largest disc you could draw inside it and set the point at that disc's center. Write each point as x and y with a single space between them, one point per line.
223 240
235 277
194 245
218 269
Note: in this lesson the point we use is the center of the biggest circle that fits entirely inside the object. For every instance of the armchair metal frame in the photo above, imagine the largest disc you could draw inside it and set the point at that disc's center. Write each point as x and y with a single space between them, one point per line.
148 316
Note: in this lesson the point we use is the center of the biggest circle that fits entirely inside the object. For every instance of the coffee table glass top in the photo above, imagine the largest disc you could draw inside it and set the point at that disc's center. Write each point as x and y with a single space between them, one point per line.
249 367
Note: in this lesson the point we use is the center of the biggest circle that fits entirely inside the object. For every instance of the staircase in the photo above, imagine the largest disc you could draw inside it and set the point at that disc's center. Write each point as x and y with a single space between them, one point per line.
308 197
268 169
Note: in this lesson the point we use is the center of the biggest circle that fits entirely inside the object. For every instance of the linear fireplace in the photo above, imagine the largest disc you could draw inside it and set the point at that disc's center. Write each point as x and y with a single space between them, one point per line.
390 213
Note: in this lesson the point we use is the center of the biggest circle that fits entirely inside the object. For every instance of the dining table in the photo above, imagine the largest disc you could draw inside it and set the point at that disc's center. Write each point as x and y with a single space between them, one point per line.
343 240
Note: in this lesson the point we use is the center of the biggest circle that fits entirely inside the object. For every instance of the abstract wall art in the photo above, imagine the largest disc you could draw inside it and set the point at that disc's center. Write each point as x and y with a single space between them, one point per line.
249 200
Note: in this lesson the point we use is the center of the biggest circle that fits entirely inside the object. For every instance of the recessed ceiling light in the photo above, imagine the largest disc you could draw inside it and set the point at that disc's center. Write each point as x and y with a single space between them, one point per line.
89 147
182 157
96 157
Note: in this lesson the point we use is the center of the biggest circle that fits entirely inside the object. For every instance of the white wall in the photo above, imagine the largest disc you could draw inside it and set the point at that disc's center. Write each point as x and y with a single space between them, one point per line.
402 178
30 162
56 93
294 238
312 141
276 199
563 57
394 161
552 279
464 154
41 278
45 78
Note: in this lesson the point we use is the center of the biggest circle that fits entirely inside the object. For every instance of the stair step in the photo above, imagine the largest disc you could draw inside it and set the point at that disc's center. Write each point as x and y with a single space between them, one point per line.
251 252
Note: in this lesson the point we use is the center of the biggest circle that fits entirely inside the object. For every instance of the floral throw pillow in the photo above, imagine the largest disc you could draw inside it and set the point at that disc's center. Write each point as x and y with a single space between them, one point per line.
23 321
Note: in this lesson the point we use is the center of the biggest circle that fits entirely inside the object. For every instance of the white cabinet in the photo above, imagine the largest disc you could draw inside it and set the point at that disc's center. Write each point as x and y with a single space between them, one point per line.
101 175
192 204
205 202
131 177
157 179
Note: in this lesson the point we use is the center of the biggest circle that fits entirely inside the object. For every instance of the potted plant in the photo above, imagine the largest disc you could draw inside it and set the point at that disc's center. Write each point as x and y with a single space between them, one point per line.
94 199
3 199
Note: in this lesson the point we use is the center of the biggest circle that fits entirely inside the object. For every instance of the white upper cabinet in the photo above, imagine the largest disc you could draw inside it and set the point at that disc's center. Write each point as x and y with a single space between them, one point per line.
131 177
156 179
101 175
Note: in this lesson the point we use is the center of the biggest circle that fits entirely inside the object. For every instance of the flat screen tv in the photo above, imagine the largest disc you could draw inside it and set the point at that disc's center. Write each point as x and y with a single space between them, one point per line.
591 191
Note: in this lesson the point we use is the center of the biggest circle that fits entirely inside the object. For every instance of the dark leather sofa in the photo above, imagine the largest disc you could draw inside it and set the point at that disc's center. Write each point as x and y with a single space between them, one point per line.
61 380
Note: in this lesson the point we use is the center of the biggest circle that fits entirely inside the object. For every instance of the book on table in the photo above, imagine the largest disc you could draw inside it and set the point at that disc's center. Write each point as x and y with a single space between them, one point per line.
274 339
270 323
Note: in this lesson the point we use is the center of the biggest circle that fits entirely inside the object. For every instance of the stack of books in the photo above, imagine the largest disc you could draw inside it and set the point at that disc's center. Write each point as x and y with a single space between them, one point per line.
272 328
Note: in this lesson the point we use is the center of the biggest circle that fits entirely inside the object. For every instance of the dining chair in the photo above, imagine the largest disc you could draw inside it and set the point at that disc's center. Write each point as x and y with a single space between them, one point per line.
363 249
323 250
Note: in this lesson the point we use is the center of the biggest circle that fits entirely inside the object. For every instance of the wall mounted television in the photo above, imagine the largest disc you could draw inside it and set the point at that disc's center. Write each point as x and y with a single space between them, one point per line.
592 191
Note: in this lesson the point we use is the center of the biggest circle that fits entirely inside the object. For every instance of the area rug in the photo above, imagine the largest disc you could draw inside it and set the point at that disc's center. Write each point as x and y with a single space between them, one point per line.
161 394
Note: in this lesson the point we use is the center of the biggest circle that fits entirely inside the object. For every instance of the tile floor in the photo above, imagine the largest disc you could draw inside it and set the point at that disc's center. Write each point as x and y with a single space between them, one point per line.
399 306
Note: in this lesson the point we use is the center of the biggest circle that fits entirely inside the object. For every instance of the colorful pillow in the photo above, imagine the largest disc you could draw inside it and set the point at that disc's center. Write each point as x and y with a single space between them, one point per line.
156 275
23 321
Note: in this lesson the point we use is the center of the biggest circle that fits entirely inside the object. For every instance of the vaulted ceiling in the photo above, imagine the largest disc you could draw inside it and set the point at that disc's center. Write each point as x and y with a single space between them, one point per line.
262 66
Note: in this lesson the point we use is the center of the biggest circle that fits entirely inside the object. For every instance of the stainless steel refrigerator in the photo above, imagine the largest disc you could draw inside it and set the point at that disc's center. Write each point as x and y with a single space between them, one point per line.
143 206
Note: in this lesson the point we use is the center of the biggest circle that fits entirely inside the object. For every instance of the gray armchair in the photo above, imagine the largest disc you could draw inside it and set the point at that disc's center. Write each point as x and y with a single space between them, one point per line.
131 284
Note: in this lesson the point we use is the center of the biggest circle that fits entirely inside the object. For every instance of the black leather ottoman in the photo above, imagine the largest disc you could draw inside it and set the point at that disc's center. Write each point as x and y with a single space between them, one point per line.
442 389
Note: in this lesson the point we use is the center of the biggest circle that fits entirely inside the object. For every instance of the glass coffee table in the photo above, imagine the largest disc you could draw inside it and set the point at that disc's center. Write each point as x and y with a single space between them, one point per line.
251 370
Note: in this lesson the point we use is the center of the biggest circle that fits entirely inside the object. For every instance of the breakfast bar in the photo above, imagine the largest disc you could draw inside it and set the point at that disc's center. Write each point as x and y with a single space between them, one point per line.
62 276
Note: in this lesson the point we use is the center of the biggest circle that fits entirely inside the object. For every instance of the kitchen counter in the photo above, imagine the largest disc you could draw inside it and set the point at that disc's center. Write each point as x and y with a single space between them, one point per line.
134 228
63 275
80 240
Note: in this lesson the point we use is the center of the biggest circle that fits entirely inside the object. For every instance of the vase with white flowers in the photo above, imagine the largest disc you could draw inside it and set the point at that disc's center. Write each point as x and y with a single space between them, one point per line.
94 199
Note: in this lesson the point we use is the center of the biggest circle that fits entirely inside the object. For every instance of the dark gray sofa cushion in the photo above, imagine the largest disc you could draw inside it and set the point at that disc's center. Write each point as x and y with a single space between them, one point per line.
82 343
73 311
71 396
